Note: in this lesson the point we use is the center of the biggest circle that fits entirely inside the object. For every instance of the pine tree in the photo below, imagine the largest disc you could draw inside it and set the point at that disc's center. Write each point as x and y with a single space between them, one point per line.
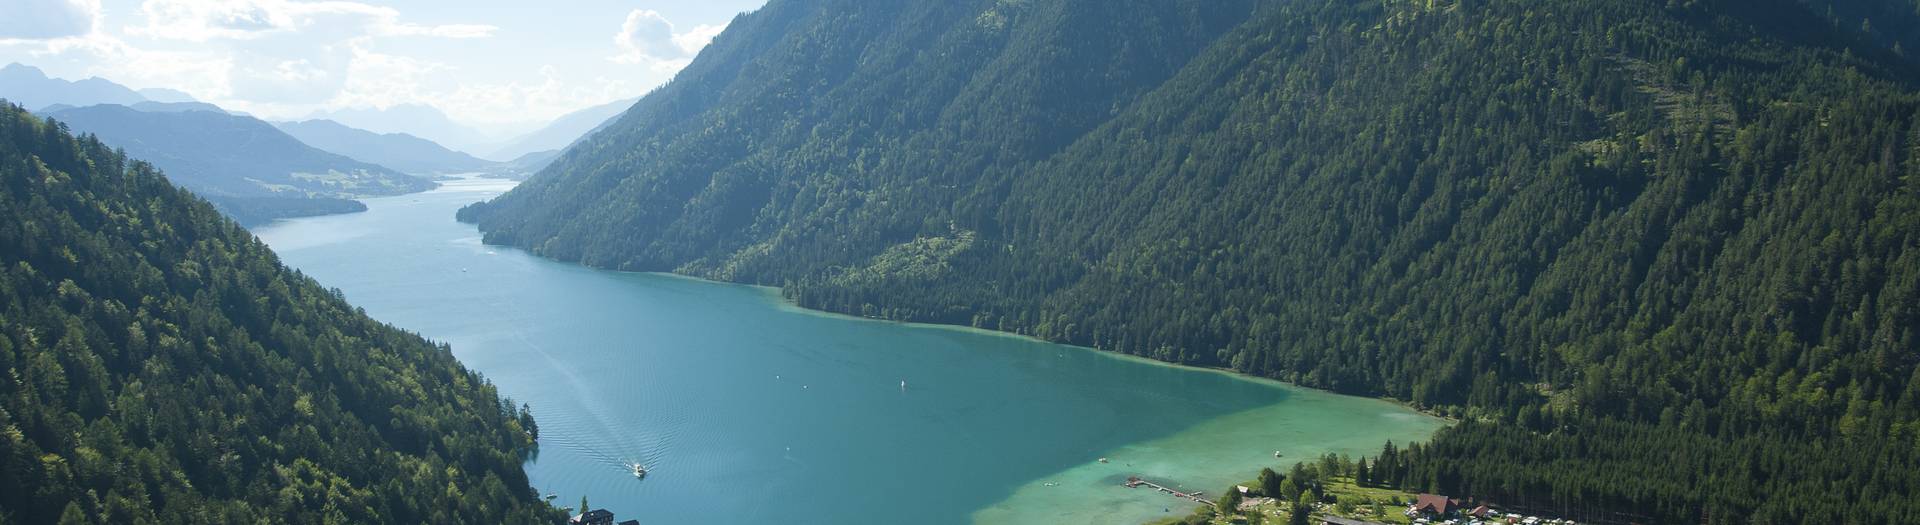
1270 482
1229 503
73 515
1302 510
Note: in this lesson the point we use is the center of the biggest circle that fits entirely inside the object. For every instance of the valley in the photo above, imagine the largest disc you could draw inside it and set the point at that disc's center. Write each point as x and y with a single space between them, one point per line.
717 387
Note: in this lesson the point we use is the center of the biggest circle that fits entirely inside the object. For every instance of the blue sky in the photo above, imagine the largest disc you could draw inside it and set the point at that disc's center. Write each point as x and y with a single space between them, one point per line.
487 63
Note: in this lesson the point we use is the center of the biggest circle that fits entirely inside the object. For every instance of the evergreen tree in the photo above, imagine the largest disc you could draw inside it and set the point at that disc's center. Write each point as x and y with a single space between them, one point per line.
1597 222
1270 483
1289 490
164 367
1229 503
1302 511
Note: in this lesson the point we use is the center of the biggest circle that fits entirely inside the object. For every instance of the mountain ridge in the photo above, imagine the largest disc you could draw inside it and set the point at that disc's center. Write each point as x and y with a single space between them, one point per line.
419 120
400 151
234 160
562 132
28 86
1575 225
165 367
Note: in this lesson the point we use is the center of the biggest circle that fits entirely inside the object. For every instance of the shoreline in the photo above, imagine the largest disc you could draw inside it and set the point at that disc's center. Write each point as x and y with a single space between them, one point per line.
788 304
774 294
1214 451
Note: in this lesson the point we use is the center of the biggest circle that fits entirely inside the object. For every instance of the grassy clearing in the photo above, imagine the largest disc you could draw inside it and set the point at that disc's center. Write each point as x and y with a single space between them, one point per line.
1346 499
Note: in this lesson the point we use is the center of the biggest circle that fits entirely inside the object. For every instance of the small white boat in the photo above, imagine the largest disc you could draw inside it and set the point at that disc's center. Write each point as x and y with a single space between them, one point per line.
639 471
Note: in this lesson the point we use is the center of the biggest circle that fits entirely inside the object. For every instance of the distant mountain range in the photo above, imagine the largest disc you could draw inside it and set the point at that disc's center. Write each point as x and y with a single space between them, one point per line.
400 151
30 88
564 131
233 160
366 145
165 95
418 120
426 122
157 107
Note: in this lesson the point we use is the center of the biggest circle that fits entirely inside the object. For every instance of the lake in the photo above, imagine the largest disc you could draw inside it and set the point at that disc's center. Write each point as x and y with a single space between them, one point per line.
750 410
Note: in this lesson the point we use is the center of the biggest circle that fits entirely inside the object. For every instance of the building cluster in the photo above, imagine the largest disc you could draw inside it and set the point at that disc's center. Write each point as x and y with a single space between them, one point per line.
1431 509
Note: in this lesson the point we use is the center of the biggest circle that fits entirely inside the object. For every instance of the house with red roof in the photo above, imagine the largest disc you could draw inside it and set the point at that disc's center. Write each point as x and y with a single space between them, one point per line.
1432 505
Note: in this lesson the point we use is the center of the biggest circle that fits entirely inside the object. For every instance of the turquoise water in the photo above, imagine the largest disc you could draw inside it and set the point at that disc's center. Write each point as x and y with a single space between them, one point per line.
749 410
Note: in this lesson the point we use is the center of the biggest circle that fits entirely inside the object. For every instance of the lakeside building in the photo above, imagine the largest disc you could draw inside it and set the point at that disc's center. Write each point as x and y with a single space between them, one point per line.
593 517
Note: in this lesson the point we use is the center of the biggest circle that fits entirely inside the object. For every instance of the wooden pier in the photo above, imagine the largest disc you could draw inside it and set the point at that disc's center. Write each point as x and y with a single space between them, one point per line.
1135 482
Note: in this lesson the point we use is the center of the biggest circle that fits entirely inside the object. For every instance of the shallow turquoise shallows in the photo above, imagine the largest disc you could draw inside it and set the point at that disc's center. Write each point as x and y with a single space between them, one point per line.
749 410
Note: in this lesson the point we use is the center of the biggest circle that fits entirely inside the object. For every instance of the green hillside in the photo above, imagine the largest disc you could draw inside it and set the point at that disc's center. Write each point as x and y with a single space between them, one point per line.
1661 258
163 367
245 166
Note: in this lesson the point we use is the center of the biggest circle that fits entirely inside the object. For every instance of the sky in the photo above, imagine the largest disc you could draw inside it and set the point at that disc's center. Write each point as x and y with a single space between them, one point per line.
495 65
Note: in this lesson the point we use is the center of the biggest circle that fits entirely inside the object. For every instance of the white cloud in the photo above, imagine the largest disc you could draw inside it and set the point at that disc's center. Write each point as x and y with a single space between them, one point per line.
48 19
203 20
442 31
298 71
282 59
204 74
694 40
645 36
286 58
648 38
549 97
380 80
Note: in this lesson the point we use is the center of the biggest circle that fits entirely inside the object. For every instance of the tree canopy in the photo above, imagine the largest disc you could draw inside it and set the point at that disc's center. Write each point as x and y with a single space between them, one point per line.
162 366
1661 257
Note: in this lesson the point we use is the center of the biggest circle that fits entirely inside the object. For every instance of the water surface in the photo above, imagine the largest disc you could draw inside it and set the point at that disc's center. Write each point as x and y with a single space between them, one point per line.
749 410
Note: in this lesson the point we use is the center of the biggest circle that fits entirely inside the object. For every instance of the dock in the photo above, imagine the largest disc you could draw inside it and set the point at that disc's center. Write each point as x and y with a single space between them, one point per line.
1136 482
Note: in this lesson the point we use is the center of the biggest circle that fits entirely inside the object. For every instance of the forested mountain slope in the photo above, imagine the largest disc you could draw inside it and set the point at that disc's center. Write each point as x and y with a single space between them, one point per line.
888 107
240 163
1662 258
163 367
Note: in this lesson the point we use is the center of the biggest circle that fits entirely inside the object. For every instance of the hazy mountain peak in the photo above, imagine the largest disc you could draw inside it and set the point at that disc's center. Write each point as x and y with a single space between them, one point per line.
564 131
17 68
166 95
32 88
418 120
398 150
